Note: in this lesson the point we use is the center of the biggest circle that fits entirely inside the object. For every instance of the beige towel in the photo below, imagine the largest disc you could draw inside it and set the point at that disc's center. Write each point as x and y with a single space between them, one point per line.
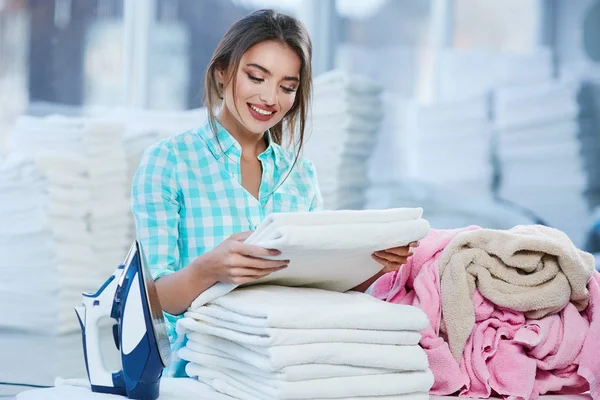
532 269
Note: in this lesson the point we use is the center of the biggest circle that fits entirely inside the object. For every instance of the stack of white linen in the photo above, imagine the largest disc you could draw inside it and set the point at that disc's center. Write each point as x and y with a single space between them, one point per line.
344 123
450 145
589 138
55 145
39 335
84 162
109 191
473 72
275 342
29 263
447 209
539 153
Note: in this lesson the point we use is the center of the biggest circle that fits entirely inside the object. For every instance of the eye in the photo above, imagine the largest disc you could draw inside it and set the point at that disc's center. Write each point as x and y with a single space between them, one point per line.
255 79
288 90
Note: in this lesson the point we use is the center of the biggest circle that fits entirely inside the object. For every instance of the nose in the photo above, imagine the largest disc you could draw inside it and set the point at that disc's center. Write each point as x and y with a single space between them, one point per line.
269 95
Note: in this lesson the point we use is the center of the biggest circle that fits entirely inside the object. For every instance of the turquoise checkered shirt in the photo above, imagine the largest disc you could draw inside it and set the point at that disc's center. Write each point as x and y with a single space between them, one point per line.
187 197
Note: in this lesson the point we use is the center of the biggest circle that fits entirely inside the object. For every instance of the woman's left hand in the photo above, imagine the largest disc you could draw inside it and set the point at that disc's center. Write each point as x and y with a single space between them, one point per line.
392 259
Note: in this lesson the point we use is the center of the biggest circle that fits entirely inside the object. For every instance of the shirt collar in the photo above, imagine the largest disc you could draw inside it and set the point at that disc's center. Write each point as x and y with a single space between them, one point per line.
219 142
222 142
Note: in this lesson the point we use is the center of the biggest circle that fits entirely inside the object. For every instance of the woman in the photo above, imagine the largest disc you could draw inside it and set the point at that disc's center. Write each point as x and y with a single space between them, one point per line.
197 195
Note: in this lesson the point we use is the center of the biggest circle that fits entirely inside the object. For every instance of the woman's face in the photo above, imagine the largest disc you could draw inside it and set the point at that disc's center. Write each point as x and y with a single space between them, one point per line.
267 81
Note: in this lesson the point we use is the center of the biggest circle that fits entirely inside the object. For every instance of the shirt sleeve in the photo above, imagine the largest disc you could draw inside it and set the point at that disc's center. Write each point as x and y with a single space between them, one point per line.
317 199
155 207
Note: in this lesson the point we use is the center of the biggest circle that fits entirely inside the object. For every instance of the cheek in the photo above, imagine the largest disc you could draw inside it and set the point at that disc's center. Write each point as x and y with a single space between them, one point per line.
244 90
286 102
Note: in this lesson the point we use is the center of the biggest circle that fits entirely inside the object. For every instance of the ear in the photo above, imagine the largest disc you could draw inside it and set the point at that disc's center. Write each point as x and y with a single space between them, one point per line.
220 75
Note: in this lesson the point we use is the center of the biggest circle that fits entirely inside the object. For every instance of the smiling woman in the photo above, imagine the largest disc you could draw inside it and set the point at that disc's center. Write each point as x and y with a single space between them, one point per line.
198 195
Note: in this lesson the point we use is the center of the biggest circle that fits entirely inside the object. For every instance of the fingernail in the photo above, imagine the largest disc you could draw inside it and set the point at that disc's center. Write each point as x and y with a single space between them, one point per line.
274 252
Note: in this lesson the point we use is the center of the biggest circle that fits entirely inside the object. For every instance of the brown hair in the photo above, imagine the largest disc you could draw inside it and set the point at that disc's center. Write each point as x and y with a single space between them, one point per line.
261 26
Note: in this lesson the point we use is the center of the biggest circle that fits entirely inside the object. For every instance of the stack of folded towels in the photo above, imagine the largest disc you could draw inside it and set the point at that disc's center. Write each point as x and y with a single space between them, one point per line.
539 153
589 138
39 335
274 342
345 121
109 192
85 165
450 145
28 263
298 333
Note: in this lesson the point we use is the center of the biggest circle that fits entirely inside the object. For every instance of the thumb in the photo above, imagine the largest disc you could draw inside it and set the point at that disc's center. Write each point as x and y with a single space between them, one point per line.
240 237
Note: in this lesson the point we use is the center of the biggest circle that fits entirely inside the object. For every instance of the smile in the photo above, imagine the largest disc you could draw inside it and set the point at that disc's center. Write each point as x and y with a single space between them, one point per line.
261 111
260 114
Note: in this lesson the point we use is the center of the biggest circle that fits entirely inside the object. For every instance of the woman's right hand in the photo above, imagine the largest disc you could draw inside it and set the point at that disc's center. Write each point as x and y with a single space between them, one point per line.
238 263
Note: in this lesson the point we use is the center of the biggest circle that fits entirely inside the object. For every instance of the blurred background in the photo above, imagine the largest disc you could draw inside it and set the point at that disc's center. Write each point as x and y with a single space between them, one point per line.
482 112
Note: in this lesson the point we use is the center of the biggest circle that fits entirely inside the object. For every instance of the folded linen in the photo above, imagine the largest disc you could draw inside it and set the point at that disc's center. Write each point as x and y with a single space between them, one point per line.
532 269
202 321
217 359
329 249
329 388
273 358
287 307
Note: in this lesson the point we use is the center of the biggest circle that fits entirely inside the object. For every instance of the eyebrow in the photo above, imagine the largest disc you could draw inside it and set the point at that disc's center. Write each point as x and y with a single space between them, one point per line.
266 71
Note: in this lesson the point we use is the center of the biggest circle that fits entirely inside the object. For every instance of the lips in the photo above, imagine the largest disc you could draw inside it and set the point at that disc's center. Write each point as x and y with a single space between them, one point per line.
261 114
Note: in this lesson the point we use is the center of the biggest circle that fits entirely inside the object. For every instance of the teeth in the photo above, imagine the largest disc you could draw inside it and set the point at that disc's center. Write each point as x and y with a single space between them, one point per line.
261 112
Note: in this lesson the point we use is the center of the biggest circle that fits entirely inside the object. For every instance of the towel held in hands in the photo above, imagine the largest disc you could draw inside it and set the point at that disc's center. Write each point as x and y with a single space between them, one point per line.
329 249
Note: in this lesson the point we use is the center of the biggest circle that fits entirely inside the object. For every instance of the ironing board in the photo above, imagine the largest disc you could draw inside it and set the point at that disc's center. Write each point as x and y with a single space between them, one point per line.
173 389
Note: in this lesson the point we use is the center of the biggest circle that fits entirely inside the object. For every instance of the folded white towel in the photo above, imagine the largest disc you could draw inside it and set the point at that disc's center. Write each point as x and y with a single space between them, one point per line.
330 388
273 358
329 249
286 307
201 321
216 359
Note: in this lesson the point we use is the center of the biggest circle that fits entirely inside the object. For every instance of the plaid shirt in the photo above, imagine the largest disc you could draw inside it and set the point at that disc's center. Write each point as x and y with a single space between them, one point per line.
187 198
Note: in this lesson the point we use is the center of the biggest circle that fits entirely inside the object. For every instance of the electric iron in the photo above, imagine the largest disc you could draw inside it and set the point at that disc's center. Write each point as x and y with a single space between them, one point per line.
128 296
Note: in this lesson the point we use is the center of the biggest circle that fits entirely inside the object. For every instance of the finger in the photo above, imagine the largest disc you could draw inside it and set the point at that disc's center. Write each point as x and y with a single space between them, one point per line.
391 257
255 251
240 237
388 266
403 251
391 267
414 244
253 272
258 263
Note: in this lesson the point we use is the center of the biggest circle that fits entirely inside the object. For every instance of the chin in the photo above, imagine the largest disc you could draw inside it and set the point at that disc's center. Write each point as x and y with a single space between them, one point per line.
258 127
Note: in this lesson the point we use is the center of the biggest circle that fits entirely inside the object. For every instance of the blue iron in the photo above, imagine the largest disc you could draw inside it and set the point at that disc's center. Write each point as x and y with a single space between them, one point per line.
129 297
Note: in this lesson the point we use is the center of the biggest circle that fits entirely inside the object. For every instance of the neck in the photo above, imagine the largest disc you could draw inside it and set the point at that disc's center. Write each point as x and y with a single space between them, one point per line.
251 143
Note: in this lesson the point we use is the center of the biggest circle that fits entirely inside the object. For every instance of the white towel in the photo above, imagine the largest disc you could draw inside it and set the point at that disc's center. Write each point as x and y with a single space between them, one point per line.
216 359
273 358
329 249
329 388
201 321
286 307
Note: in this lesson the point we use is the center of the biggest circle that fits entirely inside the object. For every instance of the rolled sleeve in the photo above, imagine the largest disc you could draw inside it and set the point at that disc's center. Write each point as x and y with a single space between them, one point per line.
155 206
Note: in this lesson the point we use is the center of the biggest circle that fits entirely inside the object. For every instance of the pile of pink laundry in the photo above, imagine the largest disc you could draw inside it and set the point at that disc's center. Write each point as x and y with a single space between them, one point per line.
512 313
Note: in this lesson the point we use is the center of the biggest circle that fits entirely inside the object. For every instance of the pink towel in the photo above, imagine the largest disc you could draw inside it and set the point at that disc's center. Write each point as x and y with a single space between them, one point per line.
505 354
417 284
589 363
